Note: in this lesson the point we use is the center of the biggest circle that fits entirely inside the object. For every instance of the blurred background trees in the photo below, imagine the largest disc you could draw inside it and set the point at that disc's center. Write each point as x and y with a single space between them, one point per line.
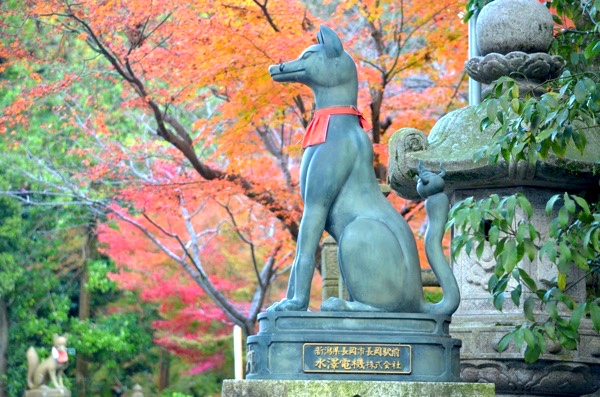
153 167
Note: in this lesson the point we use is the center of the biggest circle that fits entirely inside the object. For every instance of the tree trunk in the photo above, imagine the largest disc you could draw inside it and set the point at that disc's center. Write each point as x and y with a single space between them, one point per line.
81 365
163 373
3 345
376 101
89 251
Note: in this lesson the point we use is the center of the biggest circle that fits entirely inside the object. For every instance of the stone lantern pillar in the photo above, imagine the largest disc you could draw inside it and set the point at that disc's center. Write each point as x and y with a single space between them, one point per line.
452 142
513 37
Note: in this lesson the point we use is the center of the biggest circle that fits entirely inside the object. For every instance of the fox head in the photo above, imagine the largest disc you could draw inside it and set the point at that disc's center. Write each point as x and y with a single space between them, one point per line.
326 68
59 350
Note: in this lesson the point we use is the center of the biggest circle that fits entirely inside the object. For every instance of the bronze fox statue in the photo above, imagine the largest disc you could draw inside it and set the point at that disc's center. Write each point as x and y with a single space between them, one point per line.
377 252
51 369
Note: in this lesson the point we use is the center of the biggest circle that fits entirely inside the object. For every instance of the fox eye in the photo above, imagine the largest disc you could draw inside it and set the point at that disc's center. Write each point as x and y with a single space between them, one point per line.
306 55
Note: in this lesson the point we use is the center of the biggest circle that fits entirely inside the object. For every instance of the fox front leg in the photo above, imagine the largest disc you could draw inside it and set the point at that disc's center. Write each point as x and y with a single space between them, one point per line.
322 175
60 378
289 293
54 379
311 229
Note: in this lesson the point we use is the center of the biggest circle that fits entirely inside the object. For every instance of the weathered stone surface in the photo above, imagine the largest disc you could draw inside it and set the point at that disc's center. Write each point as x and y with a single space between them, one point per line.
332 282
288 388
514 25
455 139
48 392
533 68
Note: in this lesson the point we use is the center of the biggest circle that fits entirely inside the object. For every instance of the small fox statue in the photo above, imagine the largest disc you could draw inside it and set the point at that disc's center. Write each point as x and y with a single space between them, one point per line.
52 368
377 253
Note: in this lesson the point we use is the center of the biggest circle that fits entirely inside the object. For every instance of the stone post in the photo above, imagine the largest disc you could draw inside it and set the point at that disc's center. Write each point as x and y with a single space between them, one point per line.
332 285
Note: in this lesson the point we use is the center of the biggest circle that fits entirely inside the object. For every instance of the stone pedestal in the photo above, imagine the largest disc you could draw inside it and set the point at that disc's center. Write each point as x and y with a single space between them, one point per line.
48 392
291 388
353 346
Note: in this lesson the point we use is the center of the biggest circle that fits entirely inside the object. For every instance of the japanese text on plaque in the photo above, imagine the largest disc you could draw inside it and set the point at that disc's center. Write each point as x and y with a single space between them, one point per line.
357 358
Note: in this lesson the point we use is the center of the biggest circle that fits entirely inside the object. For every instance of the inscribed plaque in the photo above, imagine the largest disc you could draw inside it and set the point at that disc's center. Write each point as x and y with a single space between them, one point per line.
357 358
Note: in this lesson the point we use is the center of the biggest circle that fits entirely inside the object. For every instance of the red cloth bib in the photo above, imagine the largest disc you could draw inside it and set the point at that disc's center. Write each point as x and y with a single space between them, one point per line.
316 132
63 357
60 356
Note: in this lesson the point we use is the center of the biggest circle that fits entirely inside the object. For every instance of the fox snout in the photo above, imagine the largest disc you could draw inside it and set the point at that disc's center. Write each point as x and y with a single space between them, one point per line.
287 71
275 69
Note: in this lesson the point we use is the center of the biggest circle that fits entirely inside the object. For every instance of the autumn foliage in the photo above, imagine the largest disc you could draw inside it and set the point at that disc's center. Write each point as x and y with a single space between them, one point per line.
191 150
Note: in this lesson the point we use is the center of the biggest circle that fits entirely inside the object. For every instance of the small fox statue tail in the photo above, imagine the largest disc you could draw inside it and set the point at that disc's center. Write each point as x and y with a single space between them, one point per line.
33 361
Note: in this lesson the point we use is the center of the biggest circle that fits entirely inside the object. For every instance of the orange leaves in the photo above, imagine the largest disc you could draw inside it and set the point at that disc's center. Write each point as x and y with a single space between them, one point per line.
153 86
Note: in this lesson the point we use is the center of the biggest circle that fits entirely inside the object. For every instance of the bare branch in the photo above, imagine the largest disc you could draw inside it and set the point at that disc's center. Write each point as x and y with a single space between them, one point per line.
263 8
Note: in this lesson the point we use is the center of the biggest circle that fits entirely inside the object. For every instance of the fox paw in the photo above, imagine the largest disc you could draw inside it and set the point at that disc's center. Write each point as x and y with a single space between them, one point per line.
288 305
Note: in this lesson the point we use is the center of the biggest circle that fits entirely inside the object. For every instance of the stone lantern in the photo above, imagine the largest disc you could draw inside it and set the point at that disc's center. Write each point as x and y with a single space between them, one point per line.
513 37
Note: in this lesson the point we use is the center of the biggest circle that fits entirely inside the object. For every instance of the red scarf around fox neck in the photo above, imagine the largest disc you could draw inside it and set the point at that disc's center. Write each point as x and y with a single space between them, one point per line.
316 132
61 356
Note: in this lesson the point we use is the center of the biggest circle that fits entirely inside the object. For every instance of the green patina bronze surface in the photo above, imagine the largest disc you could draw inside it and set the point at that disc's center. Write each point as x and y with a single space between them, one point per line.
377 253
384 330
362 346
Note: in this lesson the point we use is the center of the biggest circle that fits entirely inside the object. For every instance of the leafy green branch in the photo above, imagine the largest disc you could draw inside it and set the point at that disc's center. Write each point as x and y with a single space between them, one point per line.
530 128
573 237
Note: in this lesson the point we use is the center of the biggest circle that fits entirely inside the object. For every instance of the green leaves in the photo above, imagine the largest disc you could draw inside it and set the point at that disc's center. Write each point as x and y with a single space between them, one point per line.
574 234
528 308
11 242
592 49
529 128
504 227
595 314
501 223
531 336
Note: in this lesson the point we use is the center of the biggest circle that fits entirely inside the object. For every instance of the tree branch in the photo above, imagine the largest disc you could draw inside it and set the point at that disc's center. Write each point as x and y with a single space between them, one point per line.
263 8
181 139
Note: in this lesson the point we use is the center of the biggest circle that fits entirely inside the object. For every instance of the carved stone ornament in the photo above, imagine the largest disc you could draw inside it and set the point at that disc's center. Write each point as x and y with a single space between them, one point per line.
535 68
504 26
456 138
513 37
540 379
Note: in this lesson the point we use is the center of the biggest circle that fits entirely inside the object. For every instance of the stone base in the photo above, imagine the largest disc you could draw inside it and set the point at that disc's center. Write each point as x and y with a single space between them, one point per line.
558 373
48 392
325 388
353 346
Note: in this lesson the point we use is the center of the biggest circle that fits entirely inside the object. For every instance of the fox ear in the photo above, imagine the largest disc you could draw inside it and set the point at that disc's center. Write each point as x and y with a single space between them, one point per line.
330 40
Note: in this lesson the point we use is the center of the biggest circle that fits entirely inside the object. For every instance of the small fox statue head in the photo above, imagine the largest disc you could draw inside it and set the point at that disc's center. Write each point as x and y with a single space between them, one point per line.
326 68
